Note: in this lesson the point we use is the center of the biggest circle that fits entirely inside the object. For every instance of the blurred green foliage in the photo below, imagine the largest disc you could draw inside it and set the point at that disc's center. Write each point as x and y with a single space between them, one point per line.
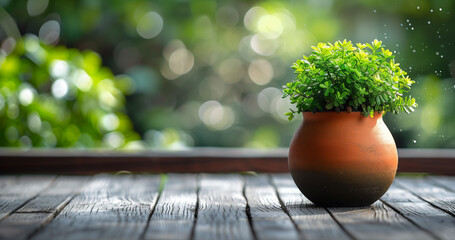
59 97
210 73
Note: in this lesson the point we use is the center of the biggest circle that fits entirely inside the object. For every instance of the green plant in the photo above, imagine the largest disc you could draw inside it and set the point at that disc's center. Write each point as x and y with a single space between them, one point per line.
58 97
341 77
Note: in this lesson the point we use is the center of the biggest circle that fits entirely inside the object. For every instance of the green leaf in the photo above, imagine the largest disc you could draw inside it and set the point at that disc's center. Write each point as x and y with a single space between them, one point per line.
363 78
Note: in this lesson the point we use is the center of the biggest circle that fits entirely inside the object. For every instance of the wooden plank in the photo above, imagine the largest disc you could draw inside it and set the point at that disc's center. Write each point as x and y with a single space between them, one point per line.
173 217
40 210
377 221
19 226
222 209
436 222
108 207
313 222
444 181
64 161
435 161
58 194
187 161
436 195
268 219
16 191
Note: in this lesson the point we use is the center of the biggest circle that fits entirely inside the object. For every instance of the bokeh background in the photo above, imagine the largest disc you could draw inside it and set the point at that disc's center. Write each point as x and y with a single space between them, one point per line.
176 74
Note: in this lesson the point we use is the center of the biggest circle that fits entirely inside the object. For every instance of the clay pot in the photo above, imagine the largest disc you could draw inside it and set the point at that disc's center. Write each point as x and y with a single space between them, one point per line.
343 159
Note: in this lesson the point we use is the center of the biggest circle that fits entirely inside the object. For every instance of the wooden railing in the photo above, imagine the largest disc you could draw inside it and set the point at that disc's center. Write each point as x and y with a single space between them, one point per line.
210 160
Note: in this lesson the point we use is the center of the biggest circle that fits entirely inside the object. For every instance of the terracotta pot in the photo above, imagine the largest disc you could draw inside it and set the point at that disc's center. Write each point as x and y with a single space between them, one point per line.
343 159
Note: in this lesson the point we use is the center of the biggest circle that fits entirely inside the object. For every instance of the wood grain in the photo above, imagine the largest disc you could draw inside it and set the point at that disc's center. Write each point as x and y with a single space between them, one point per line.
222 209
174 213
443 181
58 194
313 222
108 207
16 191
20 225
436 222
40 210
215 206
377 221
425 189
269 221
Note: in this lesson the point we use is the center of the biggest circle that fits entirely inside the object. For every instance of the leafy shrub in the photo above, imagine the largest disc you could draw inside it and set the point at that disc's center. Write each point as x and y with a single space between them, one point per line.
341 77
58 97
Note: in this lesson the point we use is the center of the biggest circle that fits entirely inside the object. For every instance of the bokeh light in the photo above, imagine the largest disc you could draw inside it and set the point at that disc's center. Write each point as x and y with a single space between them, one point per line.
49 32
260 71
216 116
36 7
150 25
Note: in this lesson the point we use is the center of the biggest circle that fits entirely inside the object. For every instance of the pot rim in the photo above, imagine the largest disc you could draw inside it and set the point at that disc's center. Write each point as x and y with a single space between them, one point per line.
340 114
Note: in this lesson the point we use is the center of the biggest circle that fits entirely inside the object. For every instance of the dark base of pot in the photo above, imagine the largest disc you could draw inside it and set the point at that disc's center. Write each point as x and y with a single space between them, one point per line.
338 189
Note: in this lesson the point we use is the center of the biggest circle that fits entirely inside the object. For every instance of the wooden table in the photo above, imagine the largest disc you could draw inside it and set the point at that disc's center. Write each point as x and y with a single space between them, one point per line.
214 206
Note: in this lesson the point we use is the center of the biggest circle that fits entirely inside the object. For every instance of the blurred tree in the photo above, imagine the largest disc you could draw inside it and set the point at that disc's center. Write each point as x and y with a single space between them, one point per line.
58 97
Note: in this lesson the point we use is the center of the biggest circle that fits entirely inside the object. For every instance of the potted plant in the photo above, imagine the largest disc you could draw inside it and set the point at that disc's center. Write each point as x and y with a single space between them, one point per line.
343 154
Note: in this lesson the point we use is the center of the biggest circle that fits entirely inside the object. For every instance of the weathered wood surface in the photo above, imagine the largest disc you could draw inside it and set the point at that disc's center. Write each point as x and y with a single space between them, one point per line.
434 221
174 214
41 209
444 181
268 219
214 206
436 195
377 221
222 208
17 191
313 222
107 208
64 161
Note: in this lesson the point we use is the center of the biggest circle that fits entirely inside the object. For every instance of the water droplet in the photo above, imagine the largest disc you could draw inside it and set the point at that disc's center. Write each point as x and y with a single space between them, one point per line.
396 44
418 7
440 9
401 24
429 22
374 10
431 10
442 56
410 68
414 141
437 53
407 20
414 51
412 28
401 130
